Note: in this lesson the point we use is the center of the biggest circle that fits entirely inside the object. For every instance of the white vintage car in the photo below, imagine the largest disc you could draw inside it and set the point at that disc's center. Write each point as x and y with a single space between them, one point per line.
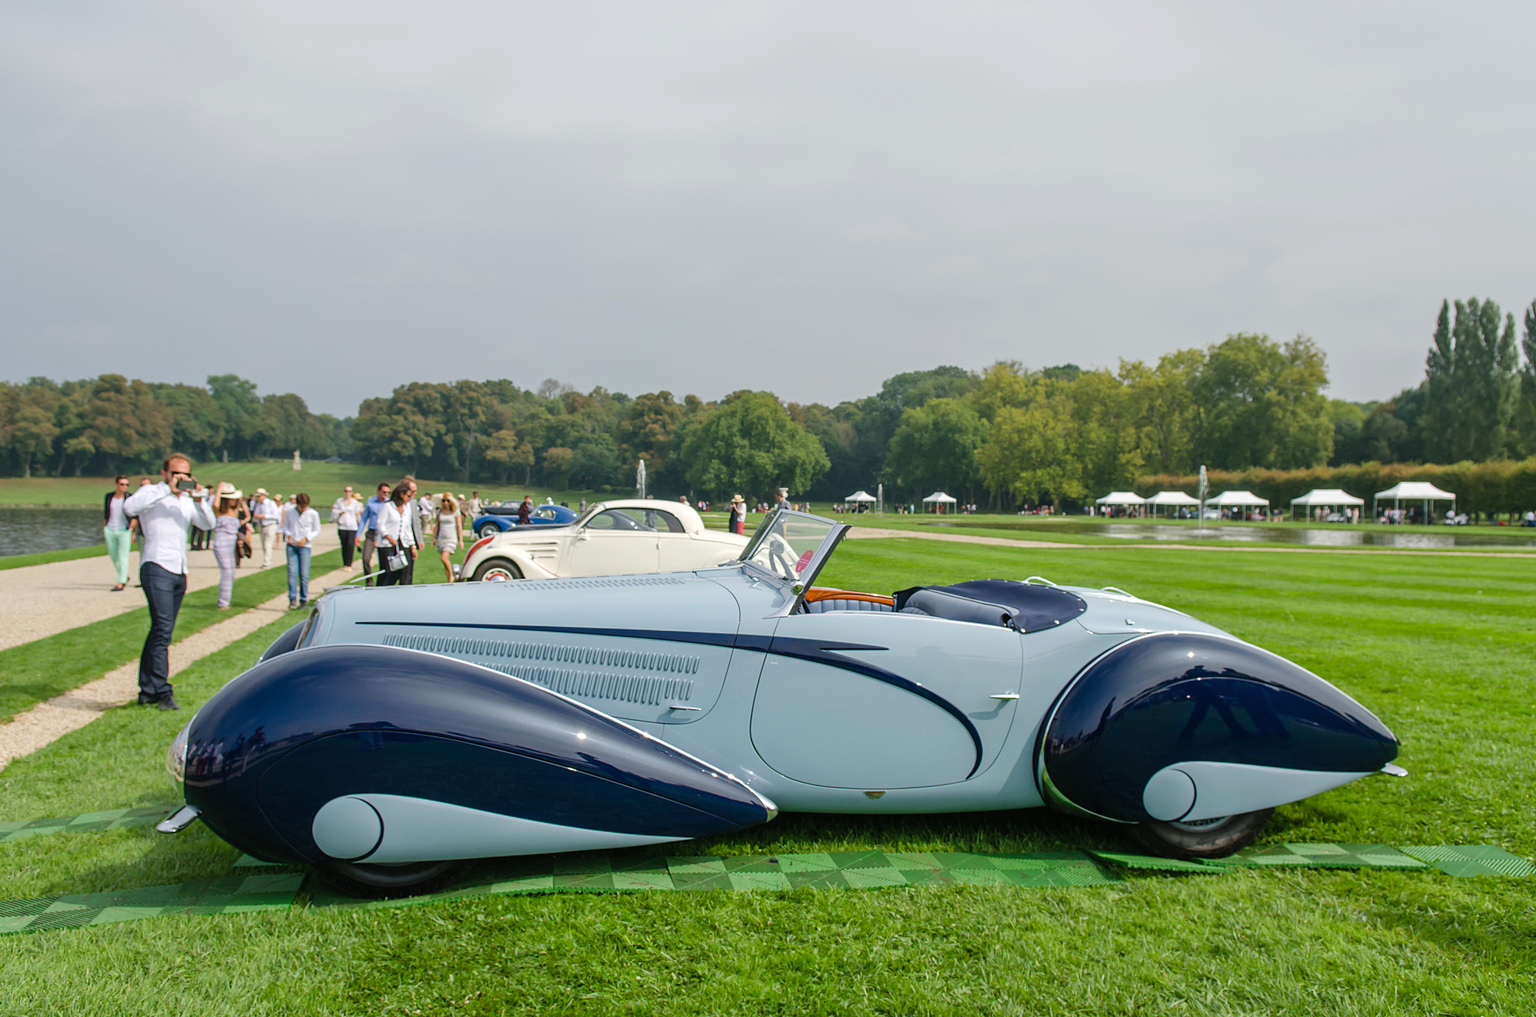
622 537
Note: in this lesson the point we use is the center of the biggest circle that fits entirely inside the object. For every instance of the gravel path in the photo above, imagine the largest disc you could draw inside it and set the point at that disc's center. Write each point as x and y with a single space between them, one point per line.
41 600
48 721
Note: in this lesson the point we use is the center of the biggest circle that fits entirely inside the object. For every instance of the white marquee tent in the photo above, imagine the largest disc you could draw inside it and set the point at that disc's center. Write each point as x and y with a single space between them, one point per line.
860 495
1411 491
1122 499
1237 499
1172 499
940 501
1326 497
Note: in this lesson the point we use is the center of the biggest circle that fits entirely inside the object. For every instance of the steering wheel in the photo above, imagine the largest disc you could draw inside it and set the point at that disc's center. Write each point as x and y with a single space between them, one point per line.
783 556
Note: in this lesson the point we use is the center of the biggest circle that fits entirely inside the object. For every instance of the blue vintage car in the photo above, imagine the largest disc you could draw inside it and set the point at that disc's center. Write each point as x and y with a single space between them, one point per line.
398 733
501 517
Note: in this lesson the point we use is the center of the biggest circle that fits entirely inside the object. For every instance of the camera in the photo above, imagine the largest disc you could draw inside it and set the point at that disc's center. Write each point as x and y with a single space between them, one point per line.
187 484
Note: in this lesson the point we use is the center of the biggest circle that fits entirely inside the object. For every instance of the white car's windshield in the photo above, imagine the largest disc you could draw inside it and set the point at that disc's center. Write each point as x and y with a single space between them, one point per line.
793 545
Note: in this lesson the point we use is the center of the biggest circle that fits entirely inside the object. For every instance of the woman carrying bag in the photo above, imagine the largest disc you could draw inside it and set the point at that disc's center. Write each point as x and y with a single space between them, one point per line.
396 538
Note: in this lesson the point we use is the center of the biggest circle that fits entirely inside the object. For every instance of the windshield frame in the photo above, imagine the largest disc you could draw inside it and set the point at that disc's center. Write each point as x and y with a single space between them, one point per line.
836 531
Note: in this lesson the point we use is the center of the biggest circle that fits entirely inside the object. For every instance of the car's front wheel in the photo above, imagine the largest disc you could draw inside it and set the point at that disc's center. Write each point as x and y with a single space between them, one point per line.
496 571
1202 838
488 530
377 881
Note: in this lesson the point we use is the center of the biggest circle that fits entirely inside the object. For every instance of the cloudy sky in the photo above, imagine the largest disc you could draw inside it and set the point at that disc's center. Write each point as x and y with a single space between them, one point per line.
335 198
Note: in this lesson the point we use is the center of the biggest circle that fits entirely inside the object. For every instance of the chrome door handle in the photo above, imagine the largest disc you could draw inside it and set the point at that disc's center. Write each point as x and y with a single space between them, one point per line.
692 709
1005 695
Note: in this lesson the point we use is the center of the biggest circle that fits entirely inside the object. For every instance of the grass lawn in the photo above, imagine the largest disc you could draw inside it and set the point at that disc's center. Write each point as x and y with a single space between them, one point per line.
1062 529
321 481
1443 649
16 561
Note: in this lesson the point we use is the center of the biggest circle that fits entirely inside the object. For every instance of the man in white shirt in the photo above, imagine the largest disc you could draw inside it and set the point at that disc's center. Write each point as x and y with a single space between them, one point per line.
165 512
475 504
264 512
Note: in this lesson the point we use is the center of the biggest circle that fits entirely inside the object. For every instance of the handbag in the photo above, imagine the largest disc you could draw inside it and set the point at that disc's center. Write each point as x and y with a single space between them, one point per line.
396 561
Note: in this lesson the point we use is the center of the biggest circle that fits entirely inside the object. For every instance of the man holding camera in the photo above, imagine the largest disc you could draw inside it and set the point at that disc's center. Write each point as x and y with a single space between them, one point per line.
165 512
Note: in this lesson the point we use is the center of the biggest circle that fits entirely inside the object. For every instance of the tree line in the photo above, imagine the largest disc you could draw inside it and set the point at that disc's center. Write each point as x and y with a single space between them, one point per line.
1007 435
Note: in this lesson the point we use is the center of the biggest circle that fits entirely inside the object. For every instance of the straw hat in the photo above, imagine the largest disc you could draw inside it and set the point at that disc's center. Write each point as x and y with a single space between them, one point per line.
262 491
227 490
737 499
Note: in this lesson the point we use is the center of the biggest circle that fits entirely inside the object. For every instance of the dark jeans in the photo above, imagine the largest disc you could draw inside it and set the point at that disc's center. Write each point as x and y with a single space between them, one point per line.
164 591
347 546
401 578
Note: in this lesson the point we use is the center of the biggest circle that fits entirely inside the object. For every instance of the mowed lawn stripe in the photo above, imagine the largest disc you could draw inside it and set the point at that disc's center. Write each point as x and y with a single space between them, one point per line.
39 670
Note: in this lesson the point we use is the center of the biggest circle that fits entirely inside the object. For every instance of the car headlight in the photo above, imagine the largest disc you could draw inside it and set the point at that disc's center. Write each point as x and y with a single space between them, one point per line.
176 755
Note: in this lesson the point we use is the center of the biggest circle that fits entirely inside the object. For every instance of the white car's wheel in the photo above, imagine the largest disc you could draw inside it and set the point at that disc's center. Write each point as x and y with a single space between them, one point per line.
497 570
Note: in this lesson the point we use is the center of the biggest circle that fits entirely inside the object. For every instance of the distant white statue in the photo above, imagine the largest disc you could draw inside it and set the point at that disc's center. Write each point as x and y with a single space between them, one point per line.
297 463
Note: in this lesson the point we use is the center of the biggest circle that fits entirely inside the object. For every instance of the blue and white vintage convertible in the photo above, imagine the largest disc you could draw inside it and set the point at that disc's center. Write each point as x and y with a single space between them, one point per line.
397 734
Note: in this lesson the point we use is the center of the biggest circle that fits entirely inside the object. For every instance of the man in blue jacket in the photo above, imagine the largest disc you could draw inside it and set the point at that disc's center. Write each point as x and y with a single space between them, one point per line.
367 524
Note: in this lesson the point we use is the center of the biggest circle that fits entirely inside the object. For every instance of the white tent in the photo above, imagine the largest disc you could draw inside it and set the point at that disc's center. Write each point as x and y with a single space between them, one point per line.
1326 497
1172 499
1123 499
1237 499
860 495
940 502
1413 490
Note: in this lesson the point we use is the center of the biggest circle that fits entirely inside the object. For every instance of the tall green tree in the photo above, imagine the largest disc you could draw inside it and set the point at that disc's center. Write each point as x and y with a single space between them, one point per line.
1260 403
934 448
1470 382
1525 415
1031 454
749 444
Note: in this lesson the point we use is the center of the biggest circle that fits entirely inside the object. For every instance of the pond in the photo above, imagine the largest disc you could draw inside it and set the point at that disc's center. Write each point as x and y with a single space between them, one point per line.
1368 535
29 530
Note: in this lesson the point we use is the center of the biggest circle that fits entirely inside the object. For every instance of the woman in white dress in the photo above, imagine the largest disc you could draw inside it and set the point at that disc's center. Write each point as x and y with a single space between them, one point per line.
449 536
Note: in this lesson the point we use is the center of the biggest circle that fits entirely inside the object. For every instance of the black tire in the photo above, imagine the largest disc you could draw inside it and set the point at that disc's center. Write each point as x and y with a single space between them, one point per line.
381 881
488 530
1206 838
497 570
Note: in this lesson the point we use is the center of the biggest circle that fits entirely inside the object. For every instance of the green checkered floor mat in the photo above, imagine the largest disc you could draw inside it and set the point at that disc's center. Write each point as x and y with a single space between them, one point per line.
110 820
227 895
257 886
1472 860
1312 856
853 870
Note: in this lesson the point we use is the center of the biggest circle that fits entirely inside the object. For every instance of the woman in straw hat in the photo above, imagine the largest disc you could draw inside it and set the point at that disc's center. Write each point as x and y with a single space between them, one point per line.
226 532
738 520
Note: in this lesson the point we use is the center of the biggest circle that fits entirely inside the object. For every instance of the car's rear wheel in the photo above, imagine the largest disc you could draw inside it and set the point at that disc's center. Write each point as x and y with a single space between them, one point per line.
1202 838
378 881
488 530
496 571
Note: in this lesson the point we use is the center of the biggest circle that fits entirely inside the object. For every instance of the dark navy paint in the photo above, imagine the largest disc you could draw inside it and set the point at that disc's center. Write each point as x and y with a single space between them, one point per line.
1028 607
1178 697
285 642
485 729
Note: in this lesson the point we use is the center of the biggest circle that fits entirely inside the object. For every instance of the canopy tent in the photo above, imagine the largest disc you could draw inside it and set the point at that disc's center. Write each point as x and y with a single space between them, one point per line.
1413 490
861 500
1123 499
1326 497
1237 499
940 502
1172 499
